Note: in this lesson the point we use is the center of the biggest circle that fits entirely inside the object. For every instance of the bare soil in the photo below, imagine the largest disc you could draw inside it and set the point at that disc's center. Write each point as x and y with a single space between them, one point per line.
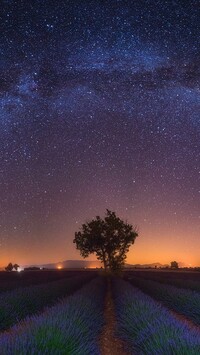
109 343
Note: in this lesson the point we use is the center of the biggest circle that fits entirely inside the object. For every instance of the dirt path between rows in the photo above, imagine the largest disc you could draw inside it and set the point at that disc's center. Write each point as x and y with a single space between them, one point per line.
109 343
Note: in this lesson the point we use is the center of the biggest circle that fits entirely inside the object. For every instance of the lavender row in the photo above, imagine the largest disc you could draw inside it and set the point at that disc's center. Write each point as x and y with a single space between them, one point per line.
177 282
70 327
149 328
186 302
17 304
27 278
180 283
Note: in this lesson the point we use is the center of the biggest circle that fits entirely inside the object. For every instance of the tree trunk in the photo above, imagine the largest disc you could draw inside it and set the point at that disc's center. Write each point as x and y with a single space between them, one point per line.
104 260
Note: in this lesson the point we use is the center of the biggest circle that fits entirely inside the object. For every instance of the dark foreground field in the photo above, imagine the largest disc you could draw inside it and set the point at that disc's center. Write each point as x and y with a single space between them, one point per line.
88 312
11 280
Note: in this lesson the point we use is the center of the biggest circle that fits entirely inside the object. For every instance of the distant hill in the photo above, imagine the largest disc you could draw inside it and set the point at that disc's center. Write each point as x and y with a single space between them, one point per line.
70 264
81 264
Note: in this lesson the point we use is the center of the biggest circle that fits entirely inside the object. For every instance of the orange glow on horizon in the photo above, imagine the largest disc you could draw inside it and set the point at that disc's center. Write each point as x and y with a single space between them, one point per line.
163 246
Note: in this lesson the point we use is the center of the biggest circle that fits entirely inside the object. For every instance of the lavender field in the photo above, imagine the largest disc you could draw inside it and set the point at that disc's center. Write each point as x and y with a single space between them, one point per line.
66 313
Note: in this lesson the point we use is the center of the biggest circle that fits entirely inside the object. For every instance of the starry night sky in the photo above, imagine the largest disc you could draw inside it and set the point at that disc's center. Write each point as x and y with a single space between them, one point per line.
99 108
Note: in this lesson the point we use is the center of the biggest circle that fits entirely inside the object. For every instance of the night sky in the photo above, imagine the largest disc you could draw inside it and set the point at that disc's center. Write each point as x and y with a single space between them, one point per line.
99 108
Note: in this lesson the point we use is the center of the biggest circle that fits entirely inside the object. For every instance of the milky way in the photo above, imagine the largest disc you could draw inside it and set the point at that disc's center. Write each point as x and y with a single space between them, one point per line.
99 108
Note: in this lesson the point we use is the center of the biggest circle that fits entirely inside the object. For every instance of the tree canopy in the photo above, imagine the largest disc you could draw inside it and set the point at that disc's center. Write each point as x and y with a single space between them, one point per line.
174 265
11 266
109 238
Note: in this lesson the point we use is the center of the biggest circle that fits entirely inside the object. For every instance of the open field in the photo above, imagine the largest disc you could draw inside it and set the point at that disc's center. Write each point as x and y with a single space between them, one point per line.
180 279
72 312
12 280
165 273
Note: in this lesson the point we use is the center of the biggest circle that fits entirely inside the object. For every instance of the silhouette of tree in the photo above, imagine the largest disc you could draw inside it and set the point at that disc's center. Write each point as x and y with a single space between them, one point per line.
174 265
15 266
9 267
110 238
